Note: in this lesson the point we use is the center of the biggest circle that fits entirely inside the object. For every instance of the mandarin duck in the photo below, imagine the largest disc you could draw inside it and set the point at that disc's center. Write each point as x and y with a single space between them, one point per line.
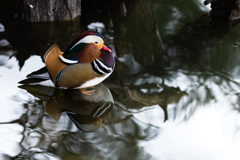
85 63
86 111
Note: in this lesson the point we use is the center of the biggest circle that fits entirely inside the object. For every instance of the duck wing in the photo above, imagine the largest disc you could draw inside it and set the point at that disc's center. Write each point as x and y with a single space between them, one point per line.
36 76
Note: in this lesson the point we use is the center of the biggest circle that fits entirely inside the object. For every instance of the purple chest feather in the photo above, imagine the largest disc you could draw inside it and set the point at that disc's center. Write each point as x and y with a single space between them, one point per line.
107 58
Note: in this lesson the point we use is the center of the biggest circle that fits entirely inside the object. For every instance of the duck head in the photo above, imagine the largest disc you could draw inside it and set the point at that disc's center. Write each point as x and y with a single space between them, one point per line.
86 47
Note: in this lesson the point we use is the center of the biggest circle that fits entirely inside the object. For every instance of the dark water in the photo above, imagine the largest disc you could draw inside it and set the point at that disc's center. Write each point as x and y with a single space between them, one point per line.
175 87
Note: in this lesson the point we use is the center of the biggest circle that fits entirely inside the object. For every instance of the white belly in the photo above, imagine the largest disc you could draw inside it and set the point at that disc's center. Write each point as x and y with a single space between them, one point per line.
94 82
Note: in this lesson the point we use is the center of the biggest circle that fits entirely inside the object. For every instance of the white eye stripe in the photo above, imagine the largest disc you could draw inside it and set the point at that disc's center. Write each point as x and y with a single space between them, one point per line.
89 39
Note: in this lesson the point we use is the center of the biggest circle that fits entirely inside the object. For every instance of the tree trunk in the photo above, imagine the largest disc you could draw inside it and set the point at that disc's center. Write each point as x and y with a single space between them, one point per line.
226 9
134 22
47 10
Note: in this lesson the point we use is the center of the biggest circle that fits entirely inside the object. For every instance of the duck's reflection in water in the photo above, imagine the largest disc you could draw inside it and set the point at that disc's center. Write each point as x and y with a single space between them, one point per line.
85 107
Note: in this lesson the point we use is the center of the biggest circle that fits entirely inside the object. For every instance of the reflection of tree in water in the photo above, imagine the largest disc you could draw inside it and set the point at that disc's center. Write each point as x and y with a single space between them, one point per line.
147 95
42 137
205 56
191 52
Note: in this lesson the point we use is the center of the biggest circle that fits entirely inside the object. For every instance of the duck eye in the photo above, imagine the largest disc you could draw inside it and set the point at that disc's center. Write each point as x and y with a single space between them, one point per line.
96 42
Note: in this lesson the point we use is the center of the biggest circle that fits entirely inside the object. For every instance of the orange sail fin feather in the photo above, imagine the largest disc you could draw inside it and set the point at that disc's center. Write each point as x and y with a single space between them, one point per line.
53 63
